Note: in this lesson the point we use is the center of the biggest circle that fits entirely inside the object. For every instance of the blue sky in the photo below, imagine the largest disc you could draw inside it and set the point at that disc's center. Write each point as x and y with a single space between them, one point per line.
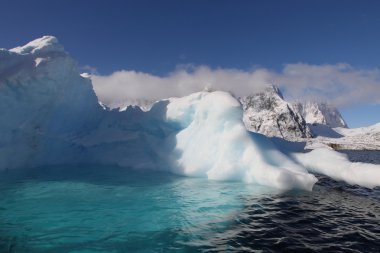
157 36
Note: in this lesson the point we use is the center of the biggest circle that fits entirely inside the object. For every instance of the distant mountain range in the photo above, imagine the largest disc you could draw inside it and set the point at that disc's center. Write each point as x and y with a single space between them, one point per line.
317 124
268 113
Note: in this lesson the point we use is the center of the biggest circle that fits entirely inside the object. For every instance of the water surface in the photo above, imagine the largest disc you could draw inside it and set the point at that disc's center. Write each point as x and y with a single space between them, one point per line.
108 209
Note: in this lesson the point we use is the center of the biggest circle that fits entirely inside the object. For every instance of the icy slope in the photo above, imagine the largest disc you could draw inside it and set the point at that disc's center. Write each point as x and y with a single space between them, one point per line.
269 114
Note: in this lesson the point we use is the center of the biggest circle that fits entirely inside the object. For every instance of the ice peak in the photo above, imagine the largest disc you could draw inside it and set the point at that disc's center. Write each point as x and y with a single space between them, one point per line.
44 44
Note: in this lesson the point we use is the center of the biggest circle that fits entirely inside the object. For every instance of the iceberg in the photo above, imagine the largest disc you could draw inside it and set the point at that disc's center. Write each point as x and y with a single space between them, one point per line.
336 165
213 142
51 116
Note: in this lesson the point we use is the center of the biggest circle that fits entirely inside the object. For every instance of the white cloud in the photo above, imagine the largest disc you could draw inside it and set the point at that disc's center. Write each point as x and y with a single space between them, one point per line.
340 84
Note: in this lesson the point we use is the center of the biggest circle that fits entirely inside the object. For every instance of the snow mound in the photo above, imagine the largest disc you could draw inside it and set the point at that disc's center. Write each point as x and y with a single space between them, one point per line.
45 44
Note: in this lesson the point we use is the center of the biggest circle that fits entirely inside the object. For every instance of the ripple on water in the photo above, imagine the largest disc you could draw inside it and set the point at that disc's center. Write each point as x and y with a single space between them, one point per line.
332 218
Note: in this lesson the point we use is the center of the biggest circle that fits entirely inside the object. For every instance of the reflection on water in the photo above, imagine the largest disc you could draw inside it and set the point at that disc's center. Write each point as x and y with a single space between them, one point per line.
84 209
113 210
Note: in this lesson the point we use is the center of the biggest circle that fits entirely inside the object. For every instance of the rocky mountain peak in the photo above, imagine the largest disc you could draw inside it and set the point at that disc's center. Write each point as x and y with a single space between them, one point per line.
320 113
268 113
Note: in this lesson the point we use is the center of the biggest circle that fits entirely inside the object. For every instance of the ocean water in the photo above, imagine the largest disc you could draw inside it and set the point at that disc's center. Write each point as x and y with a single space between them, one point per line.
109 209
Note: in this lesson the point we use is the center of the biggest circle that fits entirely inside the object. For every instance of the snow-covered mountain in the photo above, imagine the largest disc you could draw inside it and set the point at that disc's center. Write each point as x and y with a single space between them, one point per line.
317 124
51 116
144 104
362 138
316 113
330 129
268 113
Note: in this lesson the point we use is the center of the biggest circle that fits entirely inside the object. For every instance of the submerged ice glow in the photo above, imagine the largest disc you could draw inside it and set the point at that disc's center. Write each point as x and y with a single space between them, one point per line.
109 209
52 117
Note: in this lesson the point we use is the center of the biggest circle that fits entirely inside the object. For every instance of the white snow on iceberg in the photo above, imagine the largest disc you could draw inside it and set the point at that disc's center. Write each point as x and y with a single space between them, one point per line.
337 166
214 143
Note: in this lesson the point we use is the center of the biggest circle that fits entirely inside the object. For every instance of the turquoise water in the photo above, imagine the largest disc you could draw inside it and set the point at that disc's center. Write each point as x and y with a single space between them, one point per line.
84 209
108 209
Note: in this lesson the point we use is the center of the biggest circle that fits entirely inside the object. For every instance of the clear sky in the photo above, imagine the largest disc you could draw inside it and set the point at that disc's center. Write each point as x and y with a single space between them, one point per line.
157 36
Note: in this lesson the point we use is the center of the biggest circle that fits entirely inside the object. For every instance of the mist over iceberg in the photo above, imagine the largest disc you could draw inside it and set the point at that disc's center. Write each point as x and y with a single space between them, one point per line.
51 116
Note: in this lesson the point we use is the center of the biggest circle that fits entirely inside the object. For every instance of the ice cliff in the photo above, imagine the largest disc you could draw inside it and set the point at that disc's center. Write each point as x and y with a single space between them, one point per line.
44 105
51 116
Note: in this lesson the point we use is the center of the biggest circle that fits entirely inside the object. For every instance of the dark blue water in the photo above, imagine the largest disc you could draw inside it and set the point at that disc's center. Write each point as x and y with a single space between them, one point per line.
86 209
